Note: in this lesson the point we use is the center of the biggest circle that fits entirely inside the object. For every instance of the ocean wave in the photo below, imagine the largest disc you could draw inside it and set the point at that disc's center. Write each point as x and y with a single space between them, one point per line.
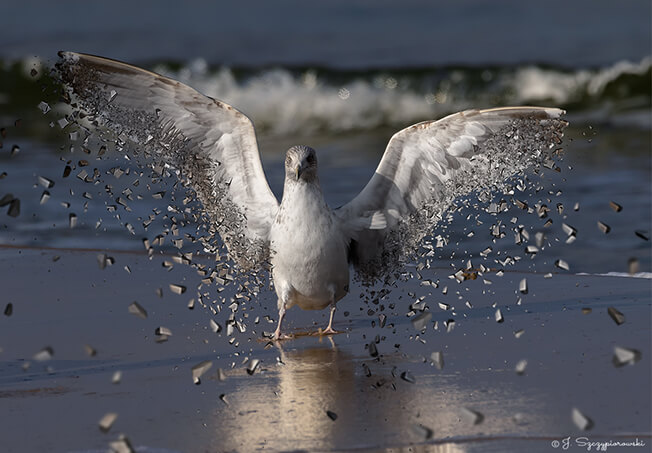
306 100
620 80
282 101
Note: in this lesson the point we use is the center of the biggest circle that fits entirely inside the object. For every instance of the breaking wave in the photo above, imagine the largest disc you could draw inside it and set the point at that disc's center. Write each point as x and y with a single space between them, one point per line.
305 100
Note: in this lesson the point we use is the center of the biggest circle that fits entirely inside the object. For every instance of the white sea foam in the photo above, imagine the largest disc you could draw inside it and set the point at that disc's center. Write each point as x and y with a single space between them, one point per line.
283 101
533 83
647 275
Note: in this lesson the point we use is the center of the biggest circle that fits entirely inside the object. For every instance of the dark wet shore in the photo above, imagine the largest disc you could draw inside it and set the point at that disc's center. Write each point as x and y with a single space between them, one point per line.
311 393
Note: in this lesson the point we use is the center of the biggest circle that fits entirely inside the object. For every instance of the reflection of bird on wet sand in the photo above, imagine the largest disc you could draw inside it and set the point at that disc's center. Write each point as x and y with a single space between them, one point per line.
313 381
310 246
319 397
286 408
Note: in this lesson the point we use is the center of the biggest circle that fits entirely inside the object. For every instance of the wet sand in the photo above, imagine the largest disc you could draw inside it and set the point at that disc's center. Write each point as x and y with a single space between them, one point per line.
397 401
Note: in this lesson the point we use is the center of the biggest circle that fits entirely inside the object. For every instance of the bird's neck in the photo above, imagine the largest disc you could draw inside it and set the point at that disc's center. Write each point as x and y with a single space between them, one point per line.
301 191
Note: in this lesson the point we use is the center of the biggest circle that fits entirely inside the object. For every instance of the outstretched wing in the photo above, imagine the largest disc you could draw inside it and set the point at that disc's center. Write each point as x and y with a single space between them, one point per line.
427 165
209 143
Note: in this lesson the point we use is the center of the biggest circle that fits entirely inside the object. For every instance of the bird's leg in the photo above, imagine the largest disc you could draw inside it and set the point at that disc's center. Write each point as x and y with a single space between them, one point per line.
283 293
329 330
281 315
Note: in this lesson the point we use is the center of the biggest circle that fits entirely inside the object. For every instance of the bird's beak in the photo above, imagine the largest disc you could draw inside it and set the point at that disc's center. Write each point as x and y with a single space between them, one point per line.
297 171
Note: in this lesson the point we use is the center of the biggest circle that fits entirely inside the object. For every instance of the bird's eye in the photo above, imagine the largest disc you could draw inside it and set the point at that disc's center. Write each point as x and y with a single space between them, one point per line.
311 159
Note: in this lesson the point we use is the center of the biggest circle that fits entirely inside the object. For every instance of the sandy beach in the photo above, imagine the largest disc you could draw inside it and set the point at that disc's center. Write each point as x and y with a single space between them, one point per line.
312 393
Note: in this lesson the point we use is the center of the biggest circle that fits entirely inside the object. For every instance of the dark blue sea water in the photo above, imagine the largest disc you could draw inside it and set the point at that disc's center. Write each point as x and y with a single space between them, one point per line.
337 34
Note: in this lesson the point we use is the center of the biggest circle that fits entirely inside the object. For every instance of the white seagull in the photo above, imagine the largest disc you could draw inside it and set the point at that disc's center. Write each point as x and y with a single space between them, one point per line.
309 245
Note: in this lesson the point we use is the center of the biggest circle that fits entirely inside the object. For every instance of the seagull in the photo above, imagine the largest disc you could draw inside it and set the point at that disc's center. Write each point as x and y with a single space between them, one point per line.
309 246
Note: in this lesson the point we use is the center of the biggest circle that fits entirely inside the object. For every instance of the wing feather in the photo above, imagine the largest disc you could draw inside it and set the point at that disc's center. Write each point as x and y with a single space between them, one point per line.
427 165
209 143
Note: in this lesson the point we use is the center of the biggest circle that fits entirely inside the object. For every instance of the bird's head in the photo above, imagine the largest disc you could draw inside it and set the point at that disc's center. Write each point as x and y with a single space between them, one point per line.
301 164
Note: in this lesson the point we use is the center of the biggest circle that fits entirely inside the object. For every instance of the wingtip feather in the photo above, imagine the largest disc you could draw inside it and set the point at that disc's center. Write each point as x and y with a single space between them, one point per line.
68 55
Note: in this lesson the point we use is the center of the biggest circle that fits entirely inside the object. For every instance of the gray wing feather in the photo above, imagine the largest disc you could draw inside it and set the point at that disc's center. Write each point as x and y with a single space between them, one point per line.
211 145
427 165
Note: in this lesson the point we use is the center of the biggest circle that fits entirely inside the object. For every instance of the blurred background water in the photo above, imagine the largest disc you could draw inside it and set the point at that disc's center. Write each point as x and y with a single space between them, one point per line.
343 77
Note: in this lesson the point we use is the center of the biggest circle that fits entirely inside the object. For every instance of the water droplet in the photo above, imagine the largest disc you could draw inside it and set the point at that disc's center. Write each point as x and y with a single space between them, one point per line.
199 369
215 327
44 354
437 359
122 445
90 351
561 264
253 365
46 182
136 309
407 377
421 321
617 316
632 266
107 421
44 107
520 367
604 227
177 289
45 196
471 416
422 431
163 331
581 421
624 356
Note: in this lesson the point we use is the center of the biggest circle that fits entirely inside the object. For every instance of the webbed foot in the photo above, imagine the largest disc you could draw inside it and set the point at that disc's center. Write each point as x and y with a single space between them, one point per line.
328 331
